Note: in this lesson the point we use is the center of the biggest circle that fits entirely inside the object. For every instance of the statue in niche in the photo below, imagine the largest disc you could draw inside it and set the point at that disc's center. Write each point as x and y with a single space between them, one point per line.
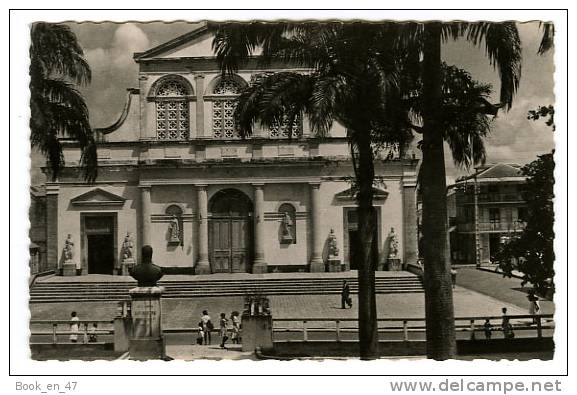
127 247
393 244
68 251
174 230
287 224
333 247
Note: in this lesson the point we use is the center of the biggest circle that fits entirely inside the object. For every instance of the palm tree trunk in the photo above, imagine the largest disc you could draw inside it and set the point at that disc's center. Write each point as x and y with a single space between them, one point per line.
437 277
368 334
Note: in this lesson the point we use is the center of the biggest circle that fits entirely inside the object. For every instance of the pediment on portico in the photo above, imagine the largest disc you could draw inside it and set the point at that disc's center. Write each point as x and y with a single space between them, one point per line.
350 194
98 197
196 43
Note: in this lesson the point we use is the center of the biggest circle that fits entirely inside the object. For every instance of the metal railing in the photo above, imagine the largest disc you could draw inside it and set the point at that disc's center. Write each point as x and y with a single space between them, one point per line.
57 329
506 226
408 327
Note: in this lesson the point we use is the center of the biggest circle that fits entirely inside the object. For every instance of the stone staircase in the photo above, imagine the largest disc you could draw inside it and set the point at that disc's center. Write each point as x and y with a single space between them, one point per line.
90 291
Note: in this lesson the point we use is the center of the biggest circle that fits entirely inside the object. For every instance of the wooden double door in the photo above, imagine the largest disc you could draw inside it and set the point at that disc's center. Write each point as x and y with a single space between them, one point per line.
230 244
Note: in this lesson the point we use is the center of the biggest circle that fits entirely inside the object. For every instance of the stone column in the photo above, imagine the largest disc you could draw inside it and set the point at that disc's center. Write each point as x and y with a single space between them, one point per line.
259 265
145 212
52 247
202 265
199 79
317 264
410 231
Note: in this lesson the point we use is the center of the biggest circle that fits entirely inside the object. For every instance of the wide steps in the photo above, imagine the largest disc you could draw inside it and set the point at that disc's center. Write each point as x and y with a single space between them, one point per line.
70 291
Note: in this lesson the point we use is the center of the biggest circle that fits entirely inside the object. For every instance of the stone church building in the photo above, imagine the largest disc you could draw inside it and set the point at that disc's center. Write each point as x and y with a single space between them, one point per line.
174 174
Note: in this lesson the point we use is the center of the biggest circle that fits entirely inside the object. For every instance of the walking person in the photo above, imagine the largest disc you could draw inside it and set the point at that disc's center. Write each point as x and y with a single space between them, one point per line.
534 306
74 327
235 319
207 327
223 330
487 328
346 296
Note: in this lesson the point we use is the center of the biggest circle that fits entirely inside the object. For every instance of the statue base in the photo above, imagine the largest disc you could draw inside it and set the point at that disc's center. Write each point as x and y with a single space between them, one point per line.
126 265
334 264
256 332
394 265
146 341
69 269
317 267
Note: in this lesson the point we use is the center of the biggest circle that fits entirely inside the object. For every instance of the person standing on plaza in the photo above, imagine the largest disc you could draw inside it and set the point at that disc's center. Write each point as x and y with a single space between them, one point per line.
235 319
74 327
223 330
487 328
346 296
534 306
506 325
207 327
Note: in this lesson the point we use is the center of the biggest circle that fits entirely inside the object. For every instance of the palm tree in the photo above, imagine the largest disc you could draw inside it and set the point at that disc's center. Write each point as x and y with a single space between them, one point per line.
360 77
352 80
503 48
57 109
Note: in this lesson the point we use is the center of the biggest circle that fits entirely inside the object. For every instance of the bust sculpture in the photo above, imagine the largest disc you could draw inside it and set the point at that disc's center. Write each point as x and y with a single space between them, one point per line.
146 273
174 230
333 247
68 251
127 247
393 244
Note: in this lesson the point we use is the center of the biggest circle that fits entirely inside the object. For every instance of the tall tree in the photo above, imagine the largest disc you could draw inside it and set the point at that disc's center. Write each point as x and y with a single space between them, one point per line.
58 110
503 48
352 80
362 78
532 253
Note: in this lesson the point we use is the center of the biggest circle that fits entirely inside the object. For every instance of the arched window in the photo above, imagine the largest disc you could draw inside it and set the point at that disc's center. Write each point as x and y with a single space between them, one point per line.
172 110
175 228
288 229
223 109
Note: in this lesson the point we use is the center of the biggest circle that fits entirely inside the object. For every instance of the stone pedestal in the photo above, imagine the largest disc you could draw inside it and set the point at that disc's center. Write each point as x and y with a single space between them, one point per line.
122 332
259 268
69 269
394 265
126 265
334 264
146 341
256 332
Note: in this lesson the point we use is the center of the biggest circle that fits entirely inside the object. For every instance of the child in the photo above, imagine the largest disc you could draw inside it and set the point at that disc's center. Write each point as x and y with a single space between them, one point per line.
92 335
488 328
200 338
506 325
223 330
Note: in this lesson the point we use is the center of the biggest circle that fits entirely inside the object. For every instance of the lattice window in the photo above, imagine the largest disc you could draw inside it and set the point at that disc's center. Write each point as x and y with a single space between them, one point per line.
223 110
282 130
172 112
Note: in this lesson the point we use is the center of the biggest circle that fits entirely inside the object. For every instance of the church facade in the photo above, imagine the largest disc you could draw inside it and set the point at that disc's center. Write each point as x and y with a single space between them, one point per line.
174 174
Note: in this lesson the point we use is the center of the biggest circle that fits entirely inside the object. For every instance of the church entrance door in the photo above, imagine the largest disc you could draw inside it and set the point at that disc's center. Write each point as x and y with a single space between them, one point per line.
98 243
230 232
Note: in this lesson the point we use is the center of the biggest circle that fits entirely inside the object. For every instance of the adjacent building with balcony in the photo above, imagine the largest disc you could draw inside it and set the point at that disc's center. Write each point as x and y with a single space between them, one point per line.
485 209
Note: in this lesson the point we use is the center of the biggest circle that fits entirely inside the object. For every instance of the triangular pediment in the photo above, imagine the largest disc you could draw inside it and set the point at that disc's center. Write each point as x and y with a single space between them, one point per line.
350 194
98 196
196 43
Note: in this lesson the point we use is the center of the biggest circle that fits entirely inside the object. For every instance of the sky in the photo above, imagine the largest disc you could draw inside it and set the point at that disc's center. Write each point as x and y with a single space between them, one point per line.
109 49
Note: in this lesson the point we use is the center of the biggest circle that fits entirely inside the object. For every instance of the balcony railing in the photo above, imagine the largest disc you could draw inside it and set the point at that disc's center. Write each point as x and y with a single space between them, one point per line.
493 198
515 226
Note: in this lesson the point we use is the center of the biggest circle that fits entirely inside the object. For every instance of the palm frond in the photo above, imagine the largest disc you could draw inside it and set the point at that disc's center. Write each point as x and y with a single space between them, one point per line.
503 48
548 38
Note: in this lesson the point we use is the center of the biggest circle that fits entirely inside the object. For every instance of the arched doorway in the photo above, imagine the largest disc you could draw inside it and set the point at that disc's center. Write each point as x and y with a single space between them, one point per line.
230 232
